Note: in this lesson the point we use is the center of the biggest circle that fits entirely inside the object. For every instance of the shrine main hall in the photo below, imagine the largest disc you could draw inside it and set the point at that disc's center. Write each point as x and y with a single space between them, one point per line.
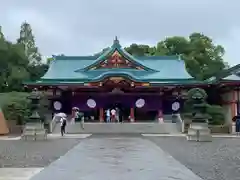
145 88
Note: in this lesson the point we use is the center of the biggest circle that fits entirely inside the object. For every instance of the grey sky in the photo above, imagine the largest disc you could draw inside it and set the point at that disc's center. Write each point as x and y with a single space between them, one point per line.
82 27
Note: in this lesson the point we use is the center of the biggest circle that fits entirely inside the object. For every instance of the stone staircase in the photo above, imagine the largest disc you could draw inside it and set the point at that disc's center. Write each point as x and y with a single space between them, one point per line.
118 128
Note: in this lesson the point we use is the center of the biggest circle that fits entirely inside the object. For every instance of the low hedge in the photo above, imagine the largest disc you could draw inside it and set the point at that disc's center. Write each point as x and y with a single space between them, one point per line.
15 106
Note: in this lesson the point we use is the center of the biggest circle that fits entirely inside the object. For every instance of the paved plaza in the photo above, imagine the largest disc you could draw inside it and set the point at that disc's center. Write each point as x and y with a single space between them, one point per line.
120 157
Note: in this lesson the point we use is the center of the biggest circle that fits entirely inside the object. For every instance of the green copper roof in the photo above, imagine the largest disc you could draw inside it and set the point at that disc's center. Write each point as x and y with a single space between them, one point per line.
156 69
230 74
232 77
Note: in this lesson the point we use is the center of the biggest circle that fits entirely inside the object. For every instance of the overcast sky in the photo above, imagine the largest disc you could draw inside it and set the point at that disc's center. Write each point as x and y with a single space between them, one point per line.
83 27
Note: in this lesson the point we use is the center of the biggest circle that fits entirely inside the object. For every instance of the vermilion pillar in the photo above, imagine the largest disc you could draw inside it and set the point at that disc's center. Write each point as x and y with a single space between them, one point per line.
132 116
101 115
234 104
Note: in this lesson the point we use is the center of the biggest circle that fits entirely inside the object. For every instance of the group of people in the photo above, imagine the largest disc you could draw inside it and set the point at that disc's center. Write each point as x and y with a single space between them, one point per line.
77 116
113 115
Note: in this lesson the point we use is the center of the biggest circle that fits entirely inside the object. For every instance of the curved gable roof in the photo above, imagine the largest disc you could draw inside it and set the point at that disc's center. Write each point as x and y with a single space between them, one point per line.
116 47
153 68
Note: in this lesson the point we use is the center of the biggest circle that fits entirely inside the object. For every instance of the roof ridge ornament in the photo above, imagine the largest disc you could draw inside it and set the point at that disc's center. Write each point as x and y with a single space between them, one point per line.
116 41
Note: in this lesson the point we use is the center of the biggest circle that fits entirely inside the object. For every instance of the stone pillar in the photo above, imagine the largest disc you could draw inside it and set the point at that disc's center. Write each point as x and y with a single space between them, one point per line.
234 110
233 104
132 116
101 115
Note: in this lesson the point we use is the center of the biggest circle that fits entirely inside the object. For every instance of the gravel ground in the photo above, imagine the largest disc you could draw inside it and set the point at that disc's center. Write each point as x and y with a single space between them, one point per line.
21 154
217 160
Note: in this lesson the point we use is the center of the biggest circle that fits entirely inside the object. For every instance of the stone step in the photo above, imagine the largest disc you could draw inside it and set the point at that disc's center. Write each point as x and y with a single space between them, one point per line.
150 128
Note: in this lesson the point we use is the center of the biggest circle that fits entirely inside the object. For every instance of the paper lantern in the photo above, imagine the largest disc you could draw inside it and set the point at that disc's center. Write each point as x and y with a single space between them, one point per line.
175 106
91 103
57 105
140 103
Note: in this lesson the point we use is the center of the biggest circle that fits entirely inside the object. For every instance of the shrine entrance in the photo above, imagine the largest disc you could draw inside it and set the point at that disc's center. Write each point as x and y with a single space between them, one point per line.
124 110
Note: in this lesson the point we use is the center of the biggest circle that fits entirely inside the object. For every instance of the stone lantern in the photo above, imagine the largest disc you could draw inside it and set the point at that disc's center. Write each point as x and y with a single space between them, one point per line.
198 130
34 127
35 103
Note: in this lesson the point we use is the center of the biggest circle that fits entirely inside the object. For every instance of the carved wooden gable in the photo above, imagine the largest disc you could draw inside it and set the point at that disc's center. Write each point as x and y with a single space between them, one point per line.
116 60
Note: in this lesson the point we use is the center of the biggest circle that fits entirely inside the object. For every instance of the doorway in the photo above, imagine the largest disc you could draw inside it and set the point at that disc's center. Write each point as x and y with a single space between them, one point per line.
124 111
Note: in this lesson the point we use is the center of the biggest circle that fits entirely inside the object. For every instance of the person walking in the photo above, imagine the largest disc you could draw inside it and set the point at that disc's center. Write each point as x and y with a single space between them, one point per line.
117 114
108 116
63 124
237 124
113 115
80 118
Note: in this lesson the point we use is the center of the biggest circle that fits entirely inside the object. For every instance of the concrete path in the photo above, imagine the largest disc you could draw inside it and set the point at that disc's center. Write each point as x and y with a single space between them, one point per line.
50 136
9 138
18 173
57 136
116 159
184 135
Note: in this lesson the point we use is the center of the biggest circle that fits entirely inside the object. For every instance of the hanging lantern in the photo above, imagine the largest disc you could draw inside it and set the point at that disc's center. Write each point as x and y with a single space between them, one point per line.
57 105
91 103
175 106
175 93
140 103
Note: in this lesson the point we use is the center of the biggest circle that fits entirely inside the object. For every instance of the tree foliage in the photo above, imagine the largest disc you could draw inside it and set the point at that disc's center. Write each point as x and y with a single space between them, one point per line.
15 106
19 61
27 40
202 57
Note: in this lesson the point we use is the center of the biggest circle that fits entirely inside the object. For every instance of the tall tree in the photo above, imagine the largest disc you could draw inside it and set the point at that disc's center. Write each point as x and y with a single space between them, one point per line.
203 58
27 40
141 50
12 66
1 33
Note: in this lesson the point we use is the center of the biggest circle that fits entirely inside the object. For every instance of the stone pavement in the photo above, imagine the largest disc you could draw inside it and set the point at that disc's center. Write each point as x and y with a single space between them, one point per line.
18 173
116 159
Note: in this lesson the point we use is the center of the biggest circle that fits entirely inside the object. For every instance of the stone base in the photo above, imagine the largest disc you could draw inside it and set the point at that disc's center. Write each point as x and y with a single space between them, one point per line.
34 131
199 132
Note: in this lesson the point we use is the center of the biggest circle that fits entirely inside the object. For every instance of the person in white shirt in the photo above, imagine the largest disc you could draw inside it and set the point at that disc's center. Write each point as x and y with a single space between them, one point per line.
117 114
108 116
113 115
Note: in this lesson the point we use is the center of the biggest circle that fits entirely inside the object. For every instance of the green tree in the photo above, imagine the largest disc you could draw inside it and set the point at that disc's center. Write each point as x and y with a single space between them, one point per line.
1 33
37 71
27 40
141 50
49 60
203 58
12 66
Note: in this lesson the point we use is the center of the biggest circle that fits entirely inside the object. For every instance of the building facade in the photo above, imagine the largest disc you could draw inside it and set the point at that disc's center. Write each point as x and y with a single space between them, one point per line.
145 88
